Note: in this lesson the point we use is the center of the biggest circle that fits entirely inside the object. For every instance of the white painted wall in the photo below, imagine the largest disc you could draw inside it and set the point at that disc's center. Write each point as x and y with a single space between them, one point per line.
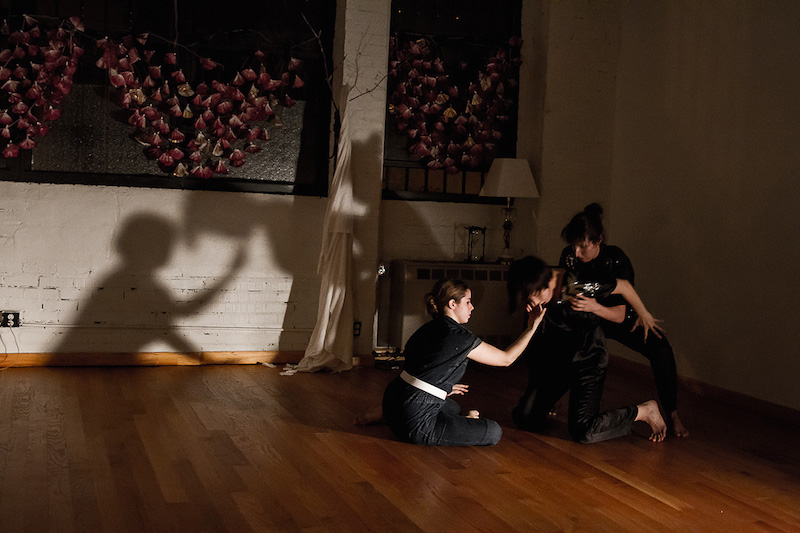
57 246
60 259
705 188
57 242
436 231
683 120
578 114
364 58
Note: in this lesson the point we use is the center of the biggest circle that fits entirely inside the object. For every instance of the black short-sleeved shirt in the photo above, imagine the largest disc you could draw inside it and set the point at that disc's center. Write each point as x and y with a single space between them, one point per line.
610 264
437 352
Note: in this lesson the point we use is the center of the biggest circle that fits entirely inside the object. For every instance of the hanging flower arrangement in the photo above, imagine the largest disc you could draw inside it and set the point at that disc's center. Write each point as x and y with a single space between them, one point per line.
199 128
36 74
453 115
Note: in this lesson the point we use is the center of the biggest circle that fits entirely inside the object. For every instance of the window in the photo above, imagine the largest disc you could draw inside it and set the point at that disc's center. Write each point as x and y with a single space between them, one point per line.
452 96
270 135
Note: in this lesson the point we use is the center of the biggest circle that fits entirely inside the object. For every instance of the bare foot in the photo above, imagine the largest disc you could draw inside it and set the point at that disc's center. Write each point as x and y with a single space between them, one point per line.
472 413
371 416
677 426
648 412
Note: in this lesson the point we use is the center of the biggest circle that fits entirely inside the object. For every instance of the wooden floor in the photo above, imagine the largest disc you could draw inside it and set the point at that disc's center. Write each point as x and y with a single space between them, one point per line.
243 448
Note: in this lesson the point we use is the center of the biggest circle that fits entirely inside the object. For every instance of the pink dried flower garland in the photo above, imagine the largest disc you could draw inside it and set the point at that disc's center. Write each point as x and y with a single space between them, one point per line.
448 125
189 128
36 74
201 128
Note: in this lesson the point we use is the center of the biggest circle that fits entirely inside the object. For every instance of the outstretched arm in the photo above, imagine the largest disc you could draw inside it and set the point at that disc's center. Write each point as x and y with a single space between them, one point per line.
646 320
204 297
489 355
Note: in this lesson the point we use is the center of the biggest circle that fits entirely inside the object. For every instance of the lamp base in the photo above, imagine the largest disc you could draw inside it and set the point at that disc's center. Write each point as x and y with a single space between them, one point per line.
505 258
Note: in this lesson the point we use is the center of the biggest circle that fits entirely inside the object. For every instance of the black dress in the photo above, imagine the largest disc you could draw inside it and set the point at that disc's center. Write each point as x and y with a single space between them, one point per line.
436 354
568 353
612 263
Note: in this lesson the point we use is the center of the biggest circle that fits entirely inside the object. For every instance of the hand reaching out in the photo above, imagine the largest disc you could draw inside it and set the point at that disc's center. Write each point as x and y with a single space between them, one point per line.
535 315
648 323
459 388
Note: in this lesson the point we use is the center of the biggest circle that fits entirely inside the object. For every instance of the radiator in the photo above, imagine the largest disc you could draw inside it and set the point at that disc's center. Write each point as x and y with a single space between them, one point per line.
491 321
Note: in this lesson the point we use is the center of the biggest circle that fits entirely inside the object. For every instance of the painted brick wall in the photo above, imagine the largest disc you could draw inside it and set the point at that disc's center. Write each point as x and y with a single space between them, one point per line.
62 265
57 243
364 53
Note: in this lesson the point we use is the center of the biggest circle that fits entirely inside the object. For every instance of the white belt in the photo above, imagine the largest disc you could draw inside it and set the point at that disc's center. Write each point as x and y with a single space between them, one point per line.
423 385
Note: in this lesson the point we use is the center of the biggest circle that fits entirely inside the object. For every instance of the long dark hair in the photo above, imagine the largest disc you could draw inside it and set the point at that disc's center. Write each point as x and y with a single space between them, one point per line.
443 291
525 277
588 224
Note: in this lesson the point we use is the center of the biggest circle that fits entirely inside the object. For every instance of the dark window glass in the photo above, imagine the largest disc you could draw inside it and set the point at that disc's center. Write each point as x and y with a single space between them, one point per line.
452 96
93 142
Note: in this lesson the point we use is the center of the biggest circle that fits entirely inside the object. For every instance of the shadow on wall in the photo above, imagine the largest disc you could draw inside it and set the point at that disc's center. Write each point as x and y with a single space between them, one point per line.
134 305
131 307
236 217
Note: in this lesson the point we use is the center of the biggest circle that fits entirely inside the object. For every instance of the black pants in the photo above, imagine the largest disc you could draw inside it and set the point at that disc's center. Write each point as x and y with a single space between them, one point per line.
420 418
658 351
574 359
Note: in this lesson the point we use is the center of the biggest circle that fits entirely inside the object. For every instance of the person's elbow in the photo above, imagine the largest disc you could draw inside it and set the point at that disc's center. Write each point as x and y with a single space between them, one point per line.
618 315
507 359
623 285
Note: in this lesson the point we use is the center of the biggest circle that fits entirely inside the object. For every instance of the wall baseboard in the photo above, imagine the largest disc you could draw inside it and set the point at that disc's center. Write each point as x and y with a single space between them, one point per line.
149 358
734 399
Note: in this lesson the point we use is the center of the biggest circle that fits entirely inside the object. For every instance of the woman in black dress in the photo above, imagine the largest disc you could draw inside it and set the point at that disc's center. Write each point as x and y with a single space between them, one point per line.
590 259
569 354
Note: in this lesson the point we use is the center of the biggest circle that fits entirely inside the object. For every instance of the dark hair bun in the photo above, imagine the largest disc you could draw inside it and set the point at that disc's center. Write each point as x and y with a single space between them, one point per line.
593 209
430 303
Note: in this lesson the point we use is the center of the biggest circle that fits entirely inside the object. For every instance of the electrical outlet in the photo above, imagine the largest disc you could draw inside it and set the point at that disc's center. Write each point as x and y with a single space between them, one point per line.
9 319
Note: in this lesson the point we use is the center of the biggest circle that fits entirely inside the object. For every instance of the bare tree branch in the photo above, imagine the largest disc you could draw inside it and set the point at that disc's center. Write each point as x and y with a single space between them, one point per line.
328 74
377 84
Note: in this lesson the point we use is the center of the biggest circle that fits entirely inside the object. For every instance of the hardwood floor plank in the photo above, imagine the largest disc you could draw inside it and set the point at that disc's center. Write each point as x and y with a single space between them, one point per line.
742 509
81 481
113 513
155 443
372 506
214 512
242 448
48 404
261 504
14 513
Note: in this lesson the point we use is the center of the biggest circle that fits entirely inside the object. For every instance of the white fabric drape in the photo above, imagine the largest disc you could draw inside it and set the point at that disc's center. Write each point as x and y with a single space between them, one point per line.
331 343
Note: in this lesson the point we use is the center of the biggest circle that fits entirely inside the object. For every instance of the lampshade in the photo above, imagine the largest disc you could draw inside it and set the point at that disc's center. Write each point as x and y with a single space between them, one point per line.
510 178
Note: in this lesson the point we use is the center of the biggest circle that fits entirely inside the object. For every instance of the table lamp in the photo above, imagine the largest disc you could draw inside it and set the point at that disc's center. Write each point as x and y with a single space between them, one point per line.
509 178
